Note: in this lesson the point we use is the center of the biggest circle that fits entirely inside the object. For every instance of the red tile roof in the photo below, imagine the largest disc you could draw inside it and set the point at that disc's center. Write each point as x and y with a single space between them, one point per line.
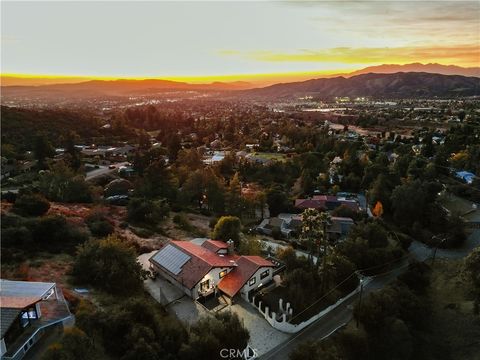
200 263
17 302
214 245
324 198
309 204
238 277
204 254
202 260
320 202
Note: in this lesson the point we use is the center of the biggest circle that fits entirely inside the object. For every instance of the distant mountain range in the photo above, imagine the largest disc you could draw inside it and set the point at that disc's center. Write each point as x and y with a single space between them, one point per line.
397 85
418 67
121 87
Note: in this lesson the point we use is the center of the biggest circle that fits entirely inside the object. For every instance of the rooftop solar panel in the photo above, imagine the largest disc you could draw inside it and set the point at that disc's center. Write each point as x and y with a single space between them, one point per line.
171 259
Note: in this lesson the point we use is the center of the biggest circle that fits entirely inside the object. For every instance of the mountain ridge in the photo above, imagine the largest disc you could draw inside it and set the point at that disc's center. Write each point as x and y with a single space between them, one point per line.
401 84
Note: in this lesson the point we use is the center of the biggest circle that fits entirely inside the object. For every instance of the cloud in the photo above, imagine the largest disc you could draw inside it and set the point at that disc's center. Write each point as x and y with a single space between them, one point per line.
421 20
468 54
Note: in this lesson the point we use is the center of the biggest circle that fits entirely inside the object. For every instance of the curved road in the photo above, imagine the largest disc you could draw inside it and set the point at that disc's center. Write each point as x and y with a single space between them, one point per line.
340 316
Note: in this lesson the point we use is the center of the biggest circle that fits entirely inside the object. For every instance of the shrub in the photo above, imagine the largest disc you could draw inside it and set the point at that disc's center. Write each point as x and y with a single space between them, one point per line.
142 210
31 205
227 227
55 234
110 265
98 223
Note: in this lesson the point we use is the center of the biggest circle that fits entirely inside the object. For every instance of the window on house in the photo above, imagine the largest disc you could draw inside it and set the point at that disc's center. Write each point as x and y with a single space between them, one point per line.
252 281
264 274
222 274
205 286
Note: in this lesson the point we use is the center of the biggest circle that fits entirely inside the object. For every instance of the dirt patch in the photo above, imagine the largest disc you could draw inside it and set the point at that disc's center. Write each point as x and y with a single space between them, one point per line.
199 222
116 215
45 267
453 320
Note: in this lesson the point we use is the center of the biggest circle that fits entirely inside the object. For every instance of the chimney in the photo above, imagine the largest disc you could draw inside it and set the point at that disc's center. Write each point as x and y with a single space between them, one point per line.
231 246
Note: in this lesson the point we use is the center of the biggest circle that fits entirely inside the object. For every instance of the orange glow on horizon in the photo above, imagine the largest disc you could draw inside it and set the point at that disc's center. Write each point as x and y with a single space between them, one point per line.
255 79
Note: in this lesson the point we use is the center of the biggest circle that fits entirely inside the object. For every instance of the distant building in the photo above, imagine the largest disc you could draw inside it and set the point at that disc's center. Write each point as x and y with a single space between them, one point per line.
28 310
290 226
326 202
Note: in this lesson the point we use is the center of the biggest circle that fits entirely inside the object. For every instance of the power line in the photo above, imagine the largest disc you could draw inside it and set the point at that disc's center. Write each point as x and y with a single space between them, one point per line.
303 330
343 281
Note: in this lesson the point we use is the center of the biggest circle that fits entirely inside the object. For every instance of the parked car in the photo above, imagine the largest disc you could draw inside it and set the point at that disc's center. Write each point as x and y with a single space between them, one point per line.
121 200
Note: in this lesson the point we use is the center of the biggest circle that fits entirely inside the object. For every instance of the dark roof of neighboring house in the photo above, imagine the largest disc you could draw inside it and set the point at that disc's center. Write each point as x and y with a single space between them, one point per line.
238 277
214 245
275 222
9 288
8 317
325 202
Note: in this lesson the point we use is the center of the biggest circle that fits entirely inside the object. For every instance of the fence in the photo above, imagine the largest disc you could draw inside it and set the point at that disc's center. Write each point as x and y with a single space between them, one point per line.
280 321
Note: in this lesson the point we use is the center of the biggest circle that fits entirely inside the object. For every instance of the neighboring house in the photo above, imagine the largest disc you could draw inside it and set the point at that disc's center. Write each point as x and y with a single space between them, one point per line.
326 202
28 310
210 268
214 157
290 225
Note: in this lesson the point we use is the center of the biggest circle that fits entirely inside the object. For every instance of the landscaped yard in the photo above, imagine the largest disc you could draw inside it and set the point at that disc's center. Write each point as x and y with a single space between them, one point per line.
268 156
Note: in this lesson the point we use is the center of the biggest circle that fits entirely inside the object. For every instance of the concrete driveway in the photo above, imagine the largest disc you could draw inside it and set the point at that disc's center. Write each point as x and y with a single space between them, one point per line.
172 298
263 337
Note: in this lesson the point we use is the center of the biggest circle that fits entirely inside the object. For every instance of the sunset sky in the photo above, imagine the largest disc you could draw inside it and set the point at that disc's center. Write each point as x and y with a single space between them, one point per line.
204 41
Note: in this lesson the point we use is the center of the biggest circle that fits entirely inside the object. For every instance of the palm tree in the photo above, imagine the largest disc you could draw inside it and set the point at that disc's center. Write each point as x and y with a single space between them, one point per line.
311 228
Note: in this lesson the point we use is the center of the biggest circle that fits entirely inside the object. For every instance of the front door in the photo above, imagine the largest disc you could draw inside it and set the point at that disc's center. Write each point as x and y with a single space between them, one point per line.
205 286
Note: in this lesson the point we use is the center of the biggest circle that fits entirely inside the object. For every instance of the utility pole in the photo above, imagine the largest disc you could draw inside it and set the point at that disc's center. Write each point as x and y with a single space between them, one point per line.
325 219
437 244
361 293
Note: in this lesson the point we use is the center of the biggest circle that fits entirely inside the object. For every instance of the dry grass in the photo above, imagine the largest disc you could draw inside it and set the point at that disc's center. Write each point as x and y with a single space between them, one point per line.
453 321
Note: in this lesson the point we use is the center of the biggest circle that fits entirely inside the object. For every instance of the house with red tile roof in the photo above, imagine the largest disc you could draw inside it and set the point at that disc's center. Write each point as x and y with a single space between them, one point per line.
326 202
210 268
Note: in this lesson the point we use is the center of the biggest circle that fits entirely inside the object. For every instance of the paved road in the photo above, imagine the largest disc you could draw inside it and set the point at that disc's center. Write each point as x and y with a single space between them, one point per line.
333 320
341 315
421 251
103 170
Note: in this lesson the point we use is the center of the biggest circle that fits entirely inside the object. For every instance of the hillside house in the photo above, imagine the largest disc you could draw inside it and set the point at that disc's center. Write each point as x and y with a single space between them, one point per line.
28 311
290 226
327 203
210 269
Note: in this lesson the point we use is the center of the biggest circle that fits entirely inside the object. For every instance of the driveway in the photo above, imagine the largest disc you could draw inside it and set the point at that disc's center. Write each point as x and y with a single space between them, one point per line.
263 337
172 298
282 245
